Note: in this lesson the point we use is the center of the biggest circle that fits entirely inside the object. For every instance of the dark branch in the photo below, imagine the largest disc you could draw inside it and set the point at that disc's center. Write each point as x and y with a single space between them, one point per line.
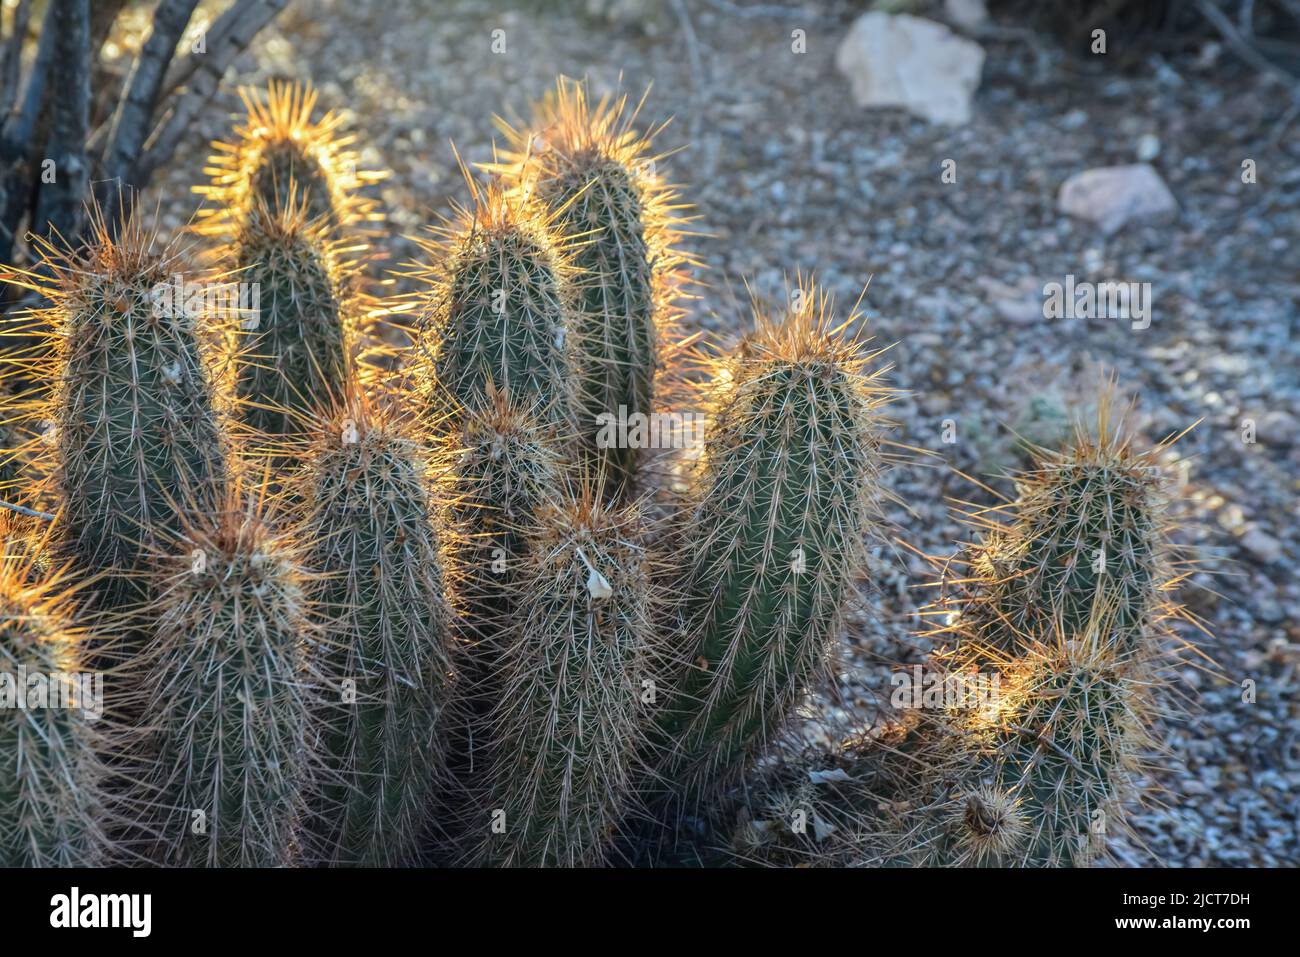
205 76
15 141
136 109
17 135
13 56
220 29
103 14
1241 46
59 203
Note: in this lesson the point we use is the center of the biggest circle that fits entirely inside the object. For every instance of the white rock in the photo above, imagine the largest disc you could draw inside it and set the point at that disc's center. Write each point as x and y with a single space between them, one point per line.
970 15
905 61
823 777
1148 147
1111 196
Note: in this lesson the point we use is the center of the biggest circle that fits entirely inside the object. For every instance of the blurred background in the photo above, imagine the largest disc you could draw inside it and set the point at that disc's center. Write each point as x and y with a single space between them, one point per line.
923 147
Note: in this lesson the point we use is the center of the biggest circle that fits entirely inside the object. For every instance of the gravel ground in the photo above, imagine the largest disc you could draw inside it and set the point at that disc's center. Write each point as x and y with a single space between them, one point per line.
788 174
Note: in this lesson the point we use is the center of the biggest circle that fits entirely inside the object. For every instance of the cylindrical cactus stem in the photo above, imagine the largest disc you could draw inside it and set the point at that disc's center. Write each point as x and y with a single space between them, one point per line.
504 467
53 799
130 419
291 355
384 657
226 693
283 158
783 499
566 731
496 312
1090 520
288 209
589 165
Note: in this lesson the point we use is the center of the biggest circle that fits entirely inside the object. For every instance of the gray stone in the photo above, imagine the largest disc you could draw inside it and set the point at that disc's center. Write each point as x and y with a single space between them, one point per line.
1262 545
970 15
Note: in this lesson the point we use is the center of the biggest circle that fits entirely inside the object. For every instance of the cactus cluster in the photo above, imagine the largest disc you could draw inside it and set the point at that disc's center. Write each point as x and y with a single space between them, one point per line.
1038 773
359 615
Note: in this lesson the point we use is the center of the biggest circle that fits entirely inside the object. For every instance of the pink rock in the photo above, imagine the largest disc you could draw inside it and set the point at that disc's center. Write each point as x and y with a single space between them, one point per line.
1111 196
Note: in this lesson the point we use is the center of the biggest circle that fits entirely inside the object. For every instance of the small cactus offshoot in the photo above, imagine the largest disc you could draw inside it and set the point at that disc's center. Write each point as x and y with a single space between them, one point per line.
1092 518
1064 759
1038 776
